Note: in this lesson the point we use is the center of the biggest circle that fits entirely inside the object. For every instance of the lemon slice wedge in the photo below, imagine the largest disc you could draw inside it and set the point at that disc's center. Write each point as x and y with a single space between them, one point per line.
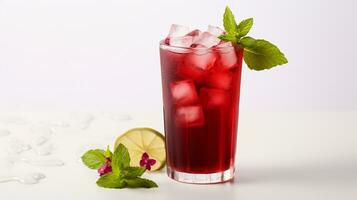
141 140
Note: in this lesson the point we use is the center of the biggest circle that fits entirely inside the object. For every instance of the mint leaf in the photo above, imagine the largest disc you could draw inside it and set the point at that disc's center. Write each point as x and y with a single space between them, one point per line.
120 159
140 182
247 41
260 54
244 27
228 38
111 180
229 22
133 172
94 159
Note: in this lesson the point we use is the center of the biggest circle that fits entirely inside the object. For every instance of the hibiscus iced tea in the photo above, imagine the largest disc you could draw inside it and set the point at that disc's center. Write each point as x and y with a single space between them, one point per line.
201 87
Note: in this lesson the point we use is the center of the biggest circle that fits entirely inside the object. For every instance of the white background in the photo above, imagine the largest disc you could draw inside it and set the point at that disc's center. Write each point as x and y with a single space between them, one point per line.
103 55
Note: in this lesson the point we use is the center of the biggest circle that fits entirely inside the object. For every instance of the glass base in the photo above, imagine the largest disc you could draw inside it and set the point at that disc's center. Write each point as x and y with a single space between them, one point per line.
218 177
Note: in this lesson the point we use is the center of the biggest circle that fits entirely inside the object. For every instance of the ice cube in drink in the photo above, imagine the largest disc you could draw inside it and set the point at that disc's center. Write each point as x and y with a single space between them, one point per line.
220 79
213 98
189 116
184 92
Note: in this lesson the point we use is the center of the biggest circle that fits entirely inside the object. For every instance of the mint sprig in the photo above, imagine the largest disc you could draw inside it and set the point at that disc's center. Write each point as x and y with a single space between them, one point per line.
123 175
120 159
244 27
258 54
94 158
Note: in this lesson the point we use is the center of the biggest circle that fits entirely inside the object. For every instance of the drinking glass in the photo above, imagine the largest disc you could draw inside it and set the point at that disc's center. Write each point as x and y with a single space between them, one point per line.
201 89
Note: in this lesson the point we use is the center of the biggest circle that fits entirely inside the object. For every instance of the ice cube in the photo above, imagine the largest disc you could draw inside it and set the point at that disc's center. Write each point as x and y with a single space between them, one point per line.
228 60
214 30
184 41
178 31
228 57
224 44
190 72
31 178
45 150
201 58
184 92
171 55
194 33
190 116
207 39
18 146
39 140
214 97
219 79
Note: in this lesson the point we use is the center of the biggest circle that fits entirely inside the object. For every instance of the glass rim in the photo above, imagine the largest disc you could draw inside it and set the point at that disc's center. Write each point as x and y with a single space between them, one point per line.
178 49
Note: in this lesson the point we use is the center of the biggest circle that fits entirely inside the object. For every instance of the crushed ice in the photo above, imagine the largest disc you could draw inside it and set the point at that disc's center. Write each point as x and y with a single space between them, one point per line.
29 178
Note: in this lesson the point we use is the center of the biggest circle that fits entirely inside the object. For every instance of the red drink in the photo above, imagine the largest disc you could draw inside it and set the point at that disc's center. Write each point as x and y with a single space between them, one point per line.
201 88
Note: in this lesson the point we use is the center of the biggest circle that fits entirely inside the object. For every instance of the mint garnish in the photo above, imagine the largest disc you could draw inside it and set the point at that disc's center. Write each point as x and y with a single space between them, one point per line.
133 172
111 180
244 27
258 54
140 182
261 54
94 159
120 159
229 23
121 175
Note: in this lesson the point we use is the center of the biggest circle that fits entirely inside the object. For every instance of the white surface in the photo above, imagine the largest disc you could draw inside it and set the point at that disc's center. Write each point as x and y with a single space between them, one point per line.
103 55
301 155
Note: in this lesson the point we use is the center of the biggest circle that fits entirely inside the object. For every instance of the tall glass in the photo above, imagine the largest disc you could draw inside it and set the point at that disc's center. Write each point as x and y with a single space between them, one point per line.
201 88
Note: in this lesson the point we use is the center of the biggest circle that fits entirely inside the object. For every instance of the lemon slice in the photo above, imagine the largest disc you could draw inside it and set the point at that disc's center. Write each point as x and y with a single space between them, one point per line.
141 140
